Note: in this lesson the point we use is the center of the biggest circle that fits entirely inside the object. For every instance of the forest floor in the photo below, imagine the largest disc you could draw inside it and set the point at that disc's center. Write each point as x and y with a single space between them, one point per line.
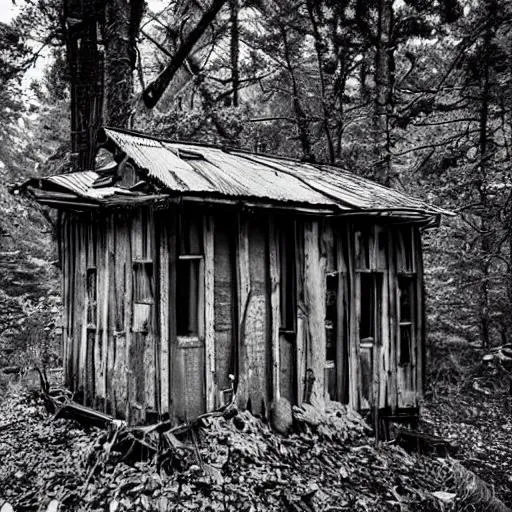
238 463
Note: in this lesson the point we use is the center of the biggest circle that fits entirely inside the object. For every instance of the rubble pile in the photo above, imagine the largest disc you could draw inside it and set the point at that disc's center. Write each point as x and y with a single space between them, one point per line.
225 461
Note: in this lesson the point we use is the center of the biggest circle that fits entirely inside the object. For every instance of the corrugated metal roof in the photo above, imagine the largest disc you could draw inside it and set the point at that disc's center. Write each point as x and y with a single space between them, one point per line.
81 183
191 169
213 170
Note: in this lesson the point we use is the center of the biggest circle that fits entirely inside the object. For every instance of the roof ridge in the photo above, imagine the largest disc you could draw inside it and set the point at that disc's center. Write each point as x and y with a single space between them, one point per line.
222 147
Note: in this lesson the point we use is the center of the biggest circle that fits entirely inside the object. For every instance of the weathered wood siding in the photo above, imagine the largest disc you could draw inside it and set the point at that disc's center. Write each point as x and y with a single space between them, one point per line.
352 304
110 325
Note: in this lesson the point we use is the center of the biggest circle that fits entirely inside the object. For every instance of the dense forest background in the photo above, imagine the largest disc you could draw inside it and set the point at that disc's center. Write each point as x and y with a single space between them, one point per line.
416 94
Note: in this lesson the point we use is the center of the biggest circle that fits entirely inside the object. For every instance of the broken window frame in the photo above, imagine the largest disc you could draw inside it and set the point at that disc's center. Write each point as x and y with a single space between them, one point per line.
368 344
405 348
143 270
92 297
186 253
143 281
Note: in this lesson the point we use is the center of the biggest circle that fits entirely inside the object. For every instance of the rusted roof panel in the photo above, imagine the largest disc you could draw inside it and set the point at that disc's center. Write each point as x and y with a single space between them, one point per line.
81 184
182 169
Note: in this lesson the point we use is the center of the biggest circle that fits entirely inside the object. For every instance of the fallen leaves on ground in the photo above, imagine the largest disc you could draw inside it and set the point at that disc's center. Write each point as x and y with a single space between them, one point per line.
328 463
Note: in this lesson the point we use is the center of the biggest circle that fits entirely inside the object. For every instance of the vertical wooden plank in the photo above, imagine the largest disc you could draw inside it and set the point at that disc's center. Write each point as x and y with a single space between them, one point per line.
91 292
343 307
300 341
257 331
65 254
354 366
82 298
100 307
150 341
128 317
275 316
244 295
209 311
420 316
174 375
163 273
392 322
314 294
110 353
225 305
120 367
383 352
105 313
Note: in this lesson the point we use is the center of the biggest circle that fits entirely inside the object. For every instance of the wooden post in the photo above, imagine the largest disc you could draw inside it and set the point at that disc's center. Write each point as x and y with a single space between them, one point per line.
314 294
209 311
244 293
273 248
163 272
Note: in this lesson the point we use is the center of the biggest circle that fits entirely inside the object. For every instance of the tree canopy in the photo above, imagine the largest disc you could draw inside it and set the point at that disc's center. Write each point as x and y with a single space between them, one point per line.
414 94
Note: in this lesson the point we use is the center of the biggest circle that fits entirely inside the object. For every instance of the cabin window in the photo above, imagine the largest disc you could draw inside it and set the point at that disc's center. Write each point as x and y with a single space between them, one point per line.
190 277
370 307
287 276
407 317
331 332
364 242
331 304
370 304
406 250
143 282
91 297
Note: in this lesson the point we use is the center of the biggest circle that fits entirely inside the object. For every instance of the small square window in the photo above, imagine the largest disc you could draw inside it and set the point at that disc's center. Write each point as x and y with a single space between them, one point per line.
188 296
91 297
407 317
143 282
405 343
331 307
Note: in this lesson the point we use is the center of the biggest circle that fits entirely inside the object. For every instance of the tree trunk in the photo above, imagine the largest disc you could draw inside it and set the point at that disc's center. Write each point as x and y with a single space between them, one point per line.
319 52
300 115
120 30
86 74
234 50
384 81
485 223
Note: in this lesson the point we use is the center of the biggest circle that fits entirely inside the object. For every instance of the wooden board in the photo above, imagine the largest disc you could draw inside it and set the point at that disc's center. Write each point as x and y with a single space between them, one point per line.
209 311
275 313
254 372
244 296
314 300
225 306
300 341
163 312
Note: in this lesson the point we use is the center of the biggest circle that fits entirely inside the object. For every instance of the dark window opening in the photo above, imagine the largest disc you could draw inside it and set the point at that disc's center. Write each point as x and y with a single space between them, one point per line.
287 277
191 235
405 285
405 250
188 293
407 317
331 307
143 282
405 344
91 297
364 237
189 277
367 298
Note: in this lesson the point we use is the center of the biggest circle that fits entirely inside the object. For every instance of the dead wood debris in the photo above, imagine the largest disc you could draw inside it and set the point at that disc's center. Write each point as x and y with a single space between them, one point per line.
225 461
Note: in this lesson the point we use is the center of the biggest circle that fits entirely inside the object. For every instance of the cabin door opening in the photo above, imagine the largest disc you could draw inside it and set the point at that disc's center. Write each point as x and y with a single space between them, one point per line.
188 355
370 287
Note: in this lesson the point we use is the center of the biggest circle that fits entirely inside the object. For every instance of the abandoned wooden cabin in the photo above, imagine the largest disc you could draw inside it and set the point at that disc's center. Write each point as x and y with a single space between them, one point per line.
184 264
